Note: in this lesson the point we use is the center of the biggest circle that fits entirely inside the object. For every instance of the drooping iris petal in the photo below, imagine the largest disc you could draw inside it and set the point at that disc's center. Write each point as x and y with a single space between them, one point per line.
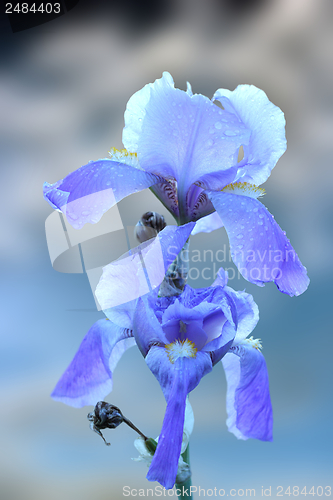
88 378
141 270
179 135
266 122
248 401
208 224
84 195
176 381
247 313
259 247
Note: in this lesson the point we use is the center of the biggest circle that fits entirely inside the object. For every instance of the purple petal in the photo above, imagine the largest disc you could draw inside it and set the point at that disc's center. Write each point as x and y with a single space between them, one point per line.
259 247
248 401
146 327
88 378
143 269
265 121
208 224
84 195
247 313
179 135
176 381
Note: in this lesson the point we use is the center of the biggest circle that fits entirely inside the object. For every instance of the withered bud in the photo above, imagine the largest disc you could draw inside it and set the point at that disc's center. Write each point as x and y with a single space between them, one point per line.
106 416
150 224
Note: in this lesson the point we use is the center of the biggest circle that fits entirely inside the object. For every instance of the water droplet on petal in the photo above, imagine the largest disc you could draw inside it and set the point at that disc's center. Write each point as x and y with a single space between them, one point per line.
240 235
261 216
218 125
210 142
255 209
85 212
73 216
240 246
230 133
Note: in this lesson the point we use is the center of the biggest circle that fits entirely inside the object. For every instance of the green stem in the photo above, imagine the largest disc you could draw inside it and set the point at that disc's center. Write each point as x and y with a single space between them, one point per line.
186 486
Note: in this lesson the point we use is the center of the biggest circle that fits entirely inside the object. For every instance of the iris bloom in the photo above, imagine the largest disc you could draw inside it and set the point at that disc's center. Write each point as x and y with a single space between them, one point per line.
181 338
204 162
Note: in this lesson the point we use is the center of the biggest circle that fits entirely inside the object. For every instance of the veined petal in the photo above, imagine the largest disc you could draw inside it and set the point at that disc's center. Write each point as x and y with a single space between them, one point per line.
176 381
259 247
88 378
143 269
248 401
181 136
265 121
84 195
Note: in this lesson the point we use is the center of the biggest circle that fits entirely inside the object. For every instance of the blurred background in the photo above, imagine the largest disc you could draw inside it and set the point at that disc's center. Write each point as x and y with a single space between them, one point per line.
64 86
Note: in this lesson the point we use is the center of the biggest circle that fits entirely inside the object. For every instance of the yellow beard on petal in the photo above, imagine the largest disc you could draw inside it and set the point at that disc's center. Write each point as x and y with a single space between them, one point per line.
252 342
181 349
244 189
124 156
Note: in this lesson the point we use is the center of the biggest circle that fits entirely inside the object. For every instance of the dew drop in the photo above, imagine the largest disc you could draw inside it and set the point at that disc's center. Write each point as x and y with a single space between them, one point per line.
255 209
260 222
73 217
211 130
209 143
230 133
218 125
240 235
261 216
251 239
85 212
240 246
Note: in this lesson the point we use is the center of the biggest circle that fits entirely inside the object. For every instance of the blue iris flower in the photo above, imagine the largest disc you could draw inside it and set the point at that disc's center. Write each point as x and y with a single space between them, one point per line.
205 163
181 338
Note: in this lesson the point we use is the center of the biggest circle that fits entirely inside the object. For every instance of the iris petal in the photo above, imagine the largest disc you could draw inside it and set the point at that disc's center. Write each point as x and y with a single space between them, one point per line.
84 195
88 378
142 269
259 247
176 381
266 122
181 136
208 224
248 401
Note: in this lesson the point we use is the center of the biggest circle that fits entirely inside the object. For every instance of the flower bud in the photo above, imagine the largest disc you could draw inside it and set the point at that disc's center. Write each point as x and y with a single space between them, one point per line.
150 224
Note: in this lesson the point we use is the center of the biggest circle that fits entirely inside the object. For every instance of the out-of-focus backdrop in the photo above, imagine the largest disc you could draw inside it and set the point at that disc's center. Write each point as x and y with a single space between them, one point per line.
64 86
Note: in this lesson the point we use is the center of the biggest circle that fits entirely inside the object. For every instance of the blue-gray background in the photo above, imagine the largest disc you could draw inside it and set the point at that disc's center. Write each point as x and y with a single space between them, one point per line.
63 91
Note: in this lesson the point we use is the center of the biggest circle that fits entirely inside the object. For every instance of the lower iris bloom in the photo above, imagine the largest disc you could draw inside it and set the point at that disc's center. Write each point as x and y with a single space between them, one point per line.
205 163
181 338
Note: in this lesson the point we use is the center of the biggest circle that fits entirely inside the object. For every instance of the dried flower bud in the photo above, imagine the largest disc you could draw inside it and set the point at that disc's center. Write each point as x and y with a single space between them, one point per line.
104 416
150 224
